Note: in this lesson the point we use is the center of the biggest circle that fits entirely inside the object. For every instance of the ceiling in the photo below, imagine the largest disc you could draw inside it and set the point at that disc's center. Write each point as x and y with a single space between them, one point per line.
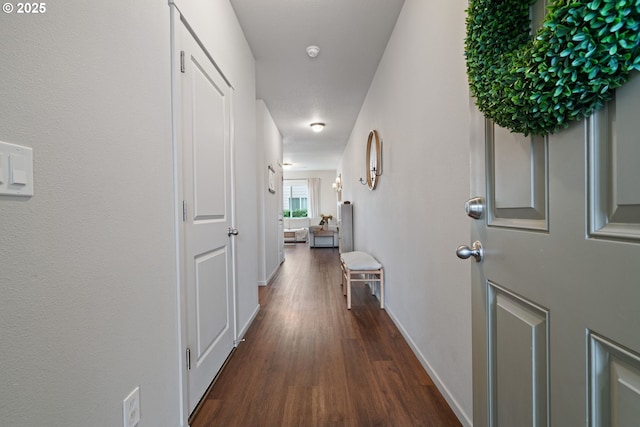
299 90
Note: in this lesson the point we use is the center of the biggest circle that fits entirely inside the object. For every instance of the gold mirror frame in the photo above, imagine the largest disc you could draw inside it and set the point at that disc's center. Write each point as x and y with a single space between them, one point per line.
373 163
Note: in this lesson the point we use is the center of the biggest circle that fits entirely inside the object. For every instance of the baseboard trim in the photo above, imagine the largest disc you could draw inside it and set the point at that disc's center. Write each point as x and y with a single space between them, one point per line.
244 329
273 273
453 403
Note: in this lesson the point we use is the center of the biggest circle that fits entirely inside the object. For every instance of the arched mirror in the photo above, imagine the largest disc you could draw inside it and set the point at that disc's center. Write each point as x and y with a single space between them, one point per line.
373 159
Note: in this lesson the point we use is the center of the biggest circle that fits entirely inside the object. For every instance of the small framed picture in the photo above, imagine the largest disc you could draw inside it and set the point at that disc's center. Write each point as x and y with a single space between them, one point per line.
272 180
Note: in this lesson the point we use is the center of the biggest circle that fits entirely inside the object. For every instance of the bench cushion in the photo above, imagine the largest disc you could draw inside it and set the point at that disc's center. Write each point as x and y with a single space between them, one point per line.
358 260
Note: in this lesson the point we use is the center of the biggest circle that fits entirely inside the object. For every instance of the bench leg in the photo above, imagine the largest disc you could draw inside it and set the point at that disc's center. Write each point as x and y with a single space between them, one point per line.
345 280
381 288
348 290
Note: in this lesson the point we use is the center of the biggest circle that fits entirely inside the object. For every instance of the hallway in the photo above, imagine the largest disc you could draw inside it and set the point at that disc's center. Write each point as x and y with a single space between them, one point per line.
307 361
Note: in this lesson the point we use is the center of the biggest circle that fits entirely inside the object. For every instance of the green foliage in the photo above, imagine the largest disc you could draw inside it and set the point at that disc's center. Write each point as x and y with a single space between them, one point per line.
297 213
584 50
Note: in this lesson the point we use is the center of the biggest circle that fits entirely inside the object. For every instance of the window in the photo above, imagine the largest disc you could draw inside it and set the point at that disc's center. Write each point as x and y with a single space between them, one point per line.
295 194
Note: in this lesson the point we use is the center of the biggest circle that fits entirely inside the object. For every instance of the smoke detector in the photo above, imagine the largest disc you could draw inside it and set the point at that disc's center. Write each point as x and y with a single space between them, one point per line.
313 51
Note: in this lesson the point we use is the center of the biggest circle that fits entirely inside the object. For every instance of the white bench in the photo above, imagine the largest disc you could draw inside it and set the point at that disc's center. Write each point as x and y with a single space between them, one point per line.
361 267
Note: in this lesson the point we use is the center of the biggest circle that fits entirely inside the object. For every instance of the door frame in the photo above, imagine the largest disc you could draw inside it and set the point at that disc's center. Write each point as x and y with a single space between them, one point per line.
480 359
177 20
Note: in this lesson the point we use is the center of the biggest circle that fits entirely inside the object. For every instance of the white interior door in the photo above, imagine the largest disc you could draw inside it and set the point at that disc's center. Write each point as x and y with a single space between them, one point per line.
206 190
556 315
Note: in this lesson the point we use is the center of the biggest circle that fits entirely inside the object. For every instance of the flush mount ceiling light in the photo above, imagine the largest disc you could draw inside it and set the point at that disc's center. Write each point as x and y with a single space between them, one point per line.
317 126
313 51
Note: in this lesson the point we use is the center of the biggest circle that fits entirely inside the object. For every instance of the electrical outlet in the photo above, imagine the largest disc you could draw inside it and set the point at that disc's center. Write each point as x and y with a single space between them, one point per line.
131 409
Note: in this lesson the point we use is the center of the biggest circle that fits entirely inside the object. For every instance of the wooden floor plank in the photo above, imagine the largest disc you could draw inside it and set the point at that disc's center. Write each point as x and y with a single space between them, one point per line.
308 361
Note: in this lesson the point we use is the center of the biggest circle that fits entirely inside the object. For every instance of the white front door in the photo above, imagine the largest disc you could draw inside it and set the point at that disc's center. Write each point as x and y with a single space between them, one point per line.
207 256
556 298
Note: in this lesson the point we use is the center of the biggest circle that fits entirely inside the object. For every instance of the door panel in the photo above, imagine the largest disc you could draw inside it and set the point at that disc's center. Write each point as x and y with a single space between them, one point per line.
212 312
208 144
518 382
517 178
561 239
513 172
614 151
206 191
614 384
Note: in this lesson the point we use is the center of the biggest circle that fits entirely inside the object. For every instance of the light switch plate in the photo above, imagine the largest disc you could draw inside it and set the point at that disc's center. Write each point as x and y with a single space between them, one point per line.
16 170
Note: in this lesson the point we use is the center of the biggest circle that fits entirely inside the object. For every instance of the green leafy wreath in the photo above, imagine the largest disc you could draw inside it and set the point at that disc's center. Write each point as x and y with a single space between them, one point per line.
584 50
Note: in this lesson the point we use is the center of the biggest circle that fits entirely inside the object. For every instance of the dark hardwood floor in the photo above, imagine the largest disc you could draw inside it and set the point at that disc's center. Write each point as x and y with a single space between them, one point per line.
308 361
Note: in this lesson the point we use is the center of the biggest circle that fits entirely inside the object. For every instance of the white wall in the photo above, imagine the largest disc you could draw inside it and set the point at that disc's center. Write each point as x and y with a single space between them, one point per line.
87 272
328 197
87 265
415 219
269 148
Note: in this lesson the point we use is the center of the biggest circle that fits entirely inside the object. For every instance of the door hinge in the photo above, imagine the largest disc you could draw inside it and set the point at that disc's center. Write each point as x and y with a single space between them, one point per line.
182 61
184 211
188 359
